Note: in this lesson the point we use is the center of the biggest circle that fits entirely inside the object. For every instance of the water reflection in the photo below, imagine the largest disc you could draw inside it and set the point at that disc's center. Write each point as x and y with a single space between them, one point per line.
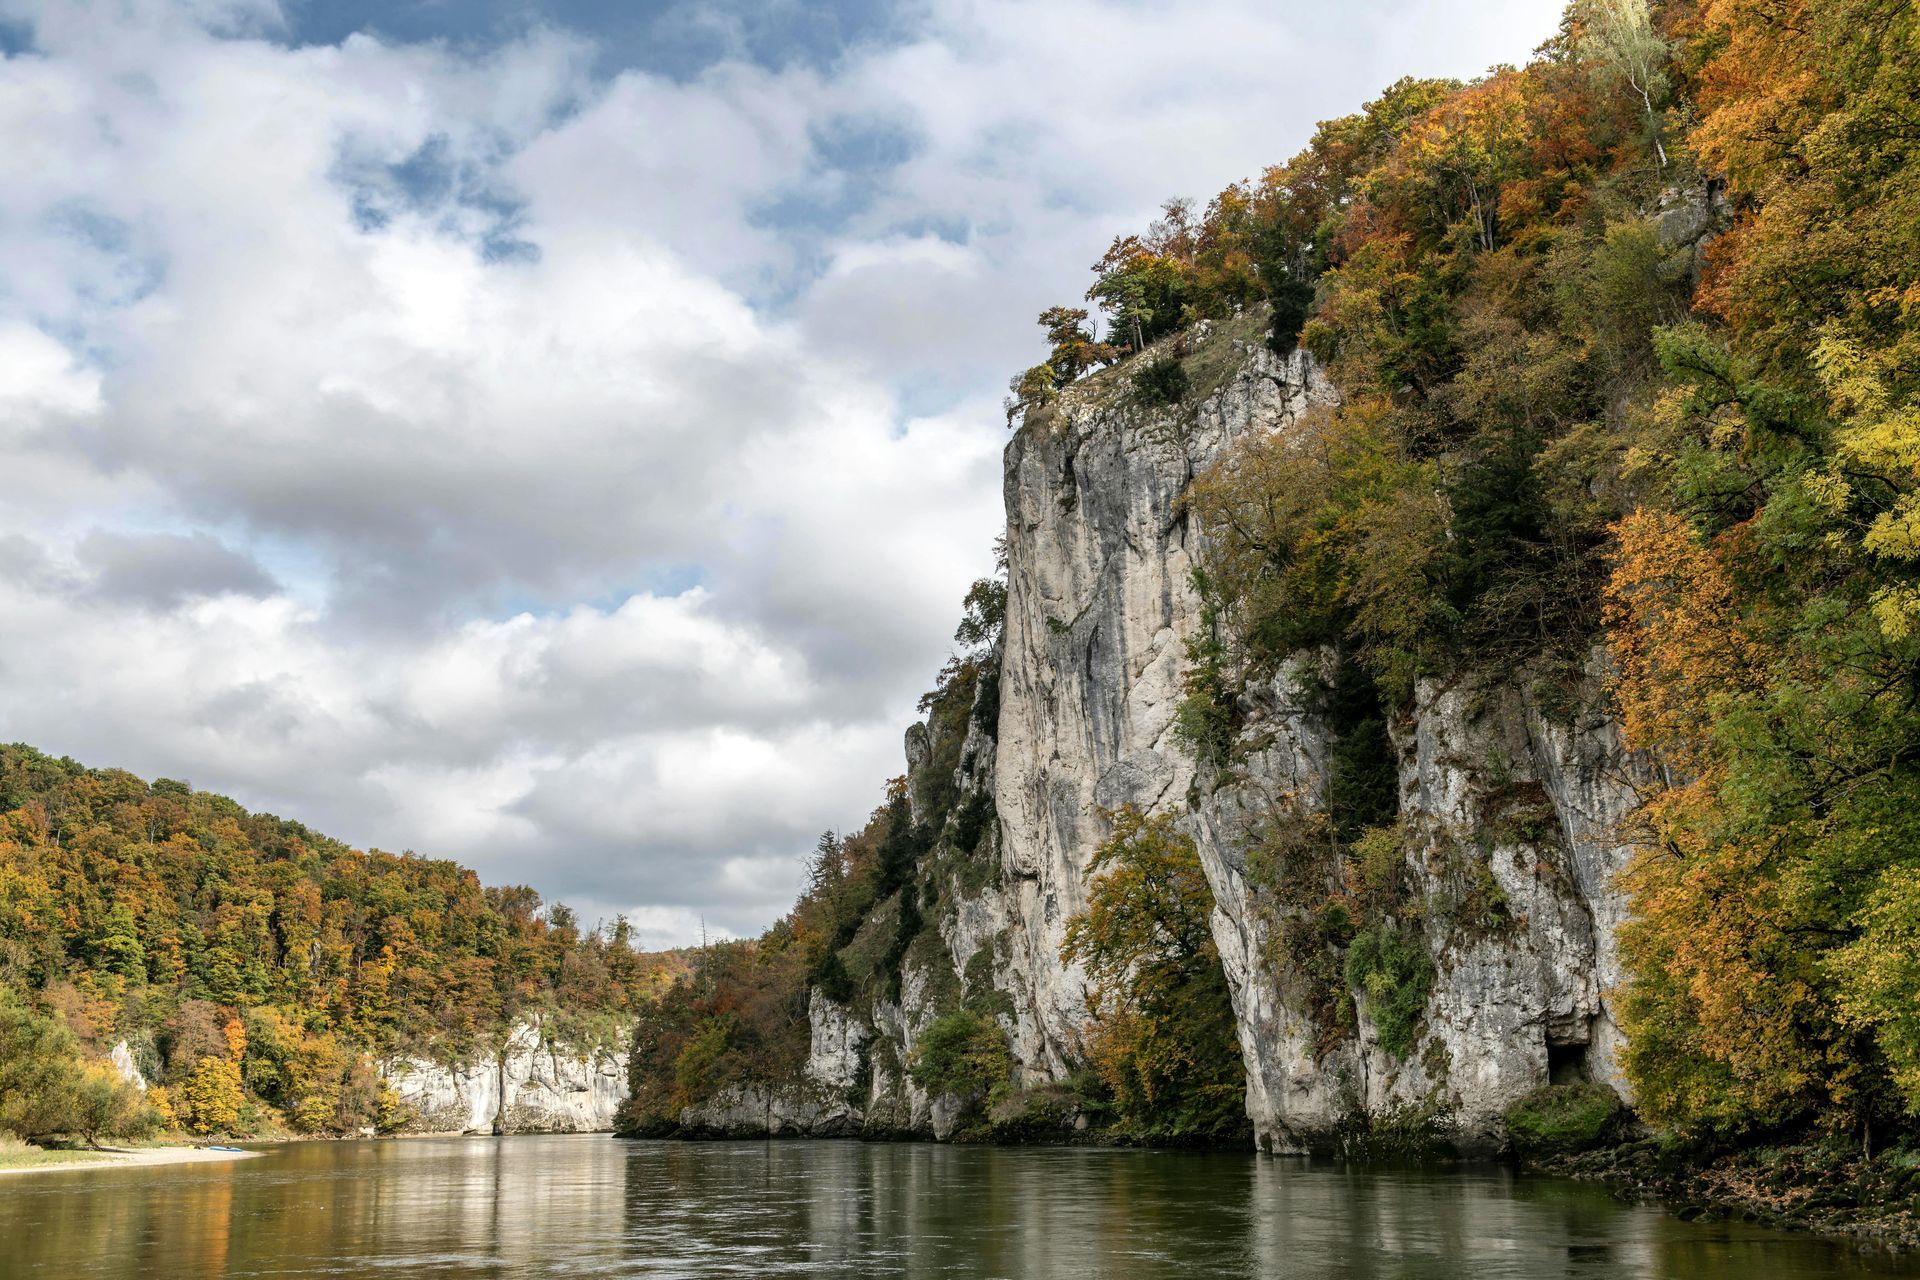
592 1206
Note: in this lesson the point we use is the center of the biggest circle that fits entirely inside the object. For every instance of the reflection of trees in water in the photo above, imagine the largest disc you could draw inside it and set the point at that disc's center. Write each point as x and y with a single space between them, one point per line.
118 1222
568 1206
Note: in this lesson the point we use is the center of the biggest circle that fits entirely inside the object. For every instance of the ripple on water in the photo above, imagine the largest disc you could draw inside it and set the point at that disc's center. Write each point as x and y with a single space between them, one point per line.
592 1206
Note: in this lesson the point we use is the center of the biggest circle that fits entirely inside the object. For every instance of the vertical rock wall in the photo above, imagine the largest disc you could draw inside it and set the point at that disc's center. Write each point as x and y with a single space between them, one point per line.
1508 809
1100 608
531 1085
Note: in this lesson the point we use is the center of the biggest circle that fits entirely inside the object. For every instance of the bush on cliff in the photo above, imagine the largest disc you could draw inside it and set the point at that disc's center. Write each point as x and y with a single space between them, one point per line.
1392 971
963 1054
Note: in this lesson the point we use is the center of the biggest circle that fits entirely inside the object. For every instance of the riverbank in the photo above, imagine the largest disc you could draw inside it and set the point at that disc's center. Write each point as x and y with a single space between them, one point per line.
1828 1188
42 1160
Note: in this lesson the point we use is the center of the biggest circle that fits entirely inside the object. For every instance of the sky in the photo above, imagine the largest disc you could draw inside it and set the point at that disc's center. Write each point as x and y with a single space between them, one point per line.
556 435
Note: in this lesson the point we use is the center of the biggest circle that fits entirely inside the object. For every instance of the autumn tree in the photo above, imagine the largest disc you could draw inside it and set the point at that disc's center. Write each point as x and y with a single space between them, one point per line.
1161 1029
1619 39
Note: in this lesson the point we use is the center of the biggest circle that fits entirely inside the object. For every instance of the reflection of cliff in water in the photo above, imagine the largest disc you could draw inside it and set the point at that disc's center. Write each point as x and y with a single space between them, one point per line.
575 1205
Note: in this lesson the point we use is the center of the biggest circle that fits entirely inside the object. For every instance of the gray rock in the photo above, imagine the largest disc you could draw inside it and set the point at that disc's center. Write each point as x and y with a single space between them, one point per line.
124 1065
529 1085
1508 813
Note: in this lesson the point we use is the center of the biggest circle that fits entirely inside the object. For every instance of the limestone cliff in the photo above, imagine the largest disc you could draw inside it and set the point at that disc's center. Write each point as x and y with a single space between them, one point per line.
1509 793
530 1084
1508 808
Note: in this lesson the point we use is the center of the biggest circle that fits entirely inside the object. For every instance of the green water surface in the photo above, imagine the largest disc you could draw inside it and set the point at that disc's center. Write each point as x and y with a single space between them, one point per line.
594 1206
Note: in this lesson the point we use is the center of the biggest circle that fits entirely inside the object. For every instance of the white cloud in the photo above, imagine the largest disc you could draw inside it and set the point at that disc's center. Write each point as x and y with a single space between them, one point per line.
573 476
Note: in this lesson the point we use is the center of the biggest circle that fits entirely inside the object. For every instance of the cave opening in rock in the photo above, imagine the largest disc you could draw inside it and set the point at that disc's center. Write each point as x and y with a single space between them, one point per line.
1567 1063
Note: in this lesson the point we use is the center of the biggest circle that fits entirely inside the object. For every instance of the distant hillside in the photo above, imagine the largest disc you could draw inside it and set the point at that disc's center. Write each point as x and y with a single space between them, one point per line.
255 966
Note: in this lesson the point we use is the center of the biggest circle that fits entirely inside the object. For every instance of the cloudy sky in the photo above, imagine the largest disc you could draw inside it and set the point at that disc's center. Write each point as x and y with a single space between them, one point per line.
557 434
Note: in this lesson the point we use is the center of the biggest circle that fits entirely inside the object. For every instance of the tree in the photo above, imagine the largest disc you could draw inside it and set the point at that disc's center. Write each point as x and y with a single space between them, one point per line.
210 1099
985 614
1618 37
105 1106
1162 1035
38 1072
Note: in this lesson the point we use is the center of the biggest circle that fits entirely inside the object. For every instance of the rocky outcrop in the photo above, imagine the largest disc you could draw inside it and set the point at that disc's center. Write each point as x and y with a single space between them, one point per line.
530 1084
1508 808
1100 609
771 1111
1508 820
125 1067
1510 792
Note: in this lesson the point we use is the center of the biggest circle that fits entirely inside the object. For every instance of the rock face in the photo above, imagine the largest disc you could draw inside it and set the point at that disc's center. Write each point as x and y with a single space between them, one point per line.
1509 789
1507 809
125 1067
531 1085
1508 814
1100 608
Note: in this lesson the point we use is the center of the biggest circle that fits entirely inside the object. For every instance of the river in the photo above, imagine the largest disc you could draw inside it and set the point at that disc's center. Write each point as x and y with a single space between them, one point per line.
592 1206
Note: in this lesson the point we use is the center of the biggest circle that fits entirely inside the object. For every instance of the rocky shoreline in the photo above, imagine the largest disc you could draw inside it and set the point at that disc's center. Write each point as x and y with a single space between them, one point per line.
1827 1188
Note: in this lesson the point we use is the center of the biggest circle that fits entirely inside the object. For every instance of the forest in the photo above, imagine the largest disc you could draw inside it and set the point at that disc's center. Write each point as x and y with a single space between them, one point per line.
1627 345
255 968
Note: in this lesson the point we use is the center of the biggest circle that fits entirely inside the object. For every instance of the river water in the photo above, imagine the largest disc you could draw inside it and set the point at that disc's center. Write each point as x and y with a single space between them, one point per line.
593 1206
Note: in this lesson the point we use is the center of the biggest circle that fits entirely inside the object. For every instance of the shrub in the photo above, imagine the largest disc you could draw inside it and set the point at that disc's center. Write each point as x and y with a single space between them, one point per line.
973 820
1205 722
1393 972
1562 1118
962 1053
1044 1111
1161 381
833 980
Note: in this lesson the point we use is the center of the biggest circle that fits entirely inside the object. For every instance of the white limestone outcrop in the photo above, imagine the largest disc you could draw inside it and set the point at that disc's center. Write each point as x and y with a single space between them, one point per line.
531 1084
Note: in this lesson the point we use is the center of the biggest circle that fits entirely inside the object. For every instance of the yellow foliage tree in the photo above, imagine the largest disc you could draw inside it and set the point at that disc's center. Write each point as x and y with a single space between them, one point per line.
210 1099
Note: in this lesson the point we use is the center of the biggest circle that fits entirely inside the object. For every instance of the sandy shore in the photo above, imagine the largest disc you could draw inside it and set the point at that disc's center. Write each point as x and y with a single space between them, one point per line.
141 1156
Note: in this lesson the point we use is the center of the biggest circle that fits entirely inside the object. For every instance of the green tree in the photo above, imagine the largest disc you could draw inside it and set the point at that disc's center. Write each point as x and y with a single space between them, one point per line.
1619 39
39 1073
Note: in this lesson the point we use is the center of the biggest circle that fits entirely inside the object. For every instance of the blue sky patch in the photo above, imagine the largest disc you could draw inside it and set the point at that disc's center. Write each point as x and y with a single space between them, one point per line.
674 38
